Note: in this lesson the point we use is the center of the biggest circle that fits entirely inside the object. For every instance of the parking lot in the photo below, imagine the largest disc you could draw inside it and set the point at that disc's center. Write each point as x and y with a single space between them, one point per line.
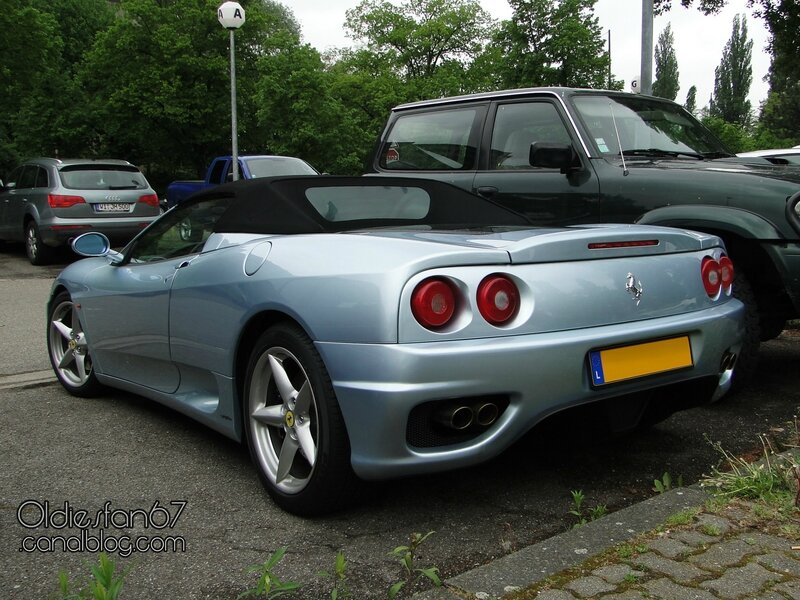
194 501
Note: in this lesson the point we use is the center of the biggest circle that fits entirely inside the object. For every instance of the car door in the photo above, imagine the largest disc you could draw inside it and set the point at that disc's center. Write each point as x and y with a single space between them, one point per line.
127 313
6 198
545 195
17 198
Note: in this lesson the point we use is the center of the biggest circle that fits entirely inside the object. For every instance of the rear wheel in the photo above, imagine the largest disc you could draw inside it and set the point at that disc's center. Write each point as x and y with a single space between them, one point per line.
295 431
38 252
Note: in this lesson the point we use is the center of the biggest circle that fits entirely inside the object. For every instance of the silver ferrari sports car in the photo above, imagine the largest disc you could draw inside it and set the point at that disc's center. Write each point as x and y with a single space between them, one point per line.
350 329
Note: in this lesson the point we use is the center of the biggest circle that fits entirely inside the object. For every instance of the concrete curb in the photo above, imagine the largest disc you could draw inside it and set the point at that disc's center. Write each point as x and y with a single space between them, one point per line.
25 380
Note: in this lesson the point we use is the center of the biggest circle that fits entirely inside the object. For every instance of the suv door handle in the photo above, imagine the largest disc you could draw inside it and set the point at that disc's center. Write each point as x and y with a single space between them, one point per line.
487 191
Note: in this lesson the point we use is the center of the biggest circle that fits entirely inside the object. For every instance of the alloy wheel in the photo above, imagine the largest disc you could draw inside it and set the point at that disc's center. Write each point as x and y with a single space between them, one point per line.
284 422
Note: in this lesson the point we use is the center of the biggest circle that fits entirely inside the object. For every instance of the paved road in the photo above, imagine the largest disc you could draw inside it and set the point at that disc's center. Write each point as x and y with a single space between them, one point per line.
123 453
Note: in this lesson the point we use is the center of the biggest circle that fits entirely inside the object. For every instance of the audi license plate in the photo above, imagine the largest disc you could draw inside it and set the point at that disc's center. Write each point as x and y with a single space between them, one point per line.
639 360
112 207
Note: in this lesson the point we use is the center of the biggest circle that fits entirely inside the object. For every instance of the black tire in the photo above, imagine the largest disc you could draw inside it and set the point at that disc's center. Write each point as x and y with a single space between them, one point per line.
747 362
38 252
68 349
771 327
306 416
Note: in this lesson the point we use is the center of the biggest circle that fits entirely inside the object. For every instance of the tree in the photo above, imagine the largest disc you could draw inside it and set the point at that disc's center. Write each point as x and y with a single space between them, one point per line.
732 78
666 84
41 45
781 112
691 100
546 42
706 6
417 37
160 85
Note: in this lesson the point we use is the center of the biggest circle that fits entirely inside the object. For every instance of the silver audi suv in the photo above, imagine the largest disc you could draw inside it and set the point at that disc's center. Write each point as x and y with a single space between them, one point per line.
45 202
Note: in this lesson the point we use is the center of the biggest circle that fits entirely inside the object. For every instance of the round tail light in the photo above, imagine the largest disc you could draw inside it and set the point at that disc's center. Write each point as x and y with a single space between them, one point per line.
433 302
727 273
498 299
712 276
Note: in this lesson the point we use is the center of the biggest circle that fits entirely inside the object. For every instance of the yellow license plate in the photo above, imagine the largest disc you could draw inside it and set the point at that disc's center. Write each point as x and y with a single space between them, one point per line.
639 360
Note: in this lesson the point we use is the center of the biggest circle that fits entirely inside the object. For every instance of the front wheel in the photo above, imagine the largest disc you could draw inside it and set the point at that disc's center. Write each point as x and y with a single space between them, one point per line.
748 356
68 348
294 428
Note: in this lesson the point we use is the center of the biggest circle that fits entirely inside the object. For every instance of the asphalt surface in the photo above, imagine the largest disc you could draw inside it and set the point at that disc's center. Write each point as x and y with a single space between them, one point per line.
123 453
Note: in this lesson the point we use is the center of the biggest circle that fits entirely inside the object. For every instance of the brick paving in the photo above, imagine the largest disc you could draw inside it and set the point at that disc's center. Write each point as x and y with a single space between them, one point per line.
673 546
717 556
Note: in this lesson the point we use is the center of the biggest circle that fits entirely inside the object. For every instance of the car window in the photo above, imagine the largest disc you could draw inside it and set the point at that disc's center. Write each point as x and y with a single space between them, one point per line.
275 166
354 203
28 177
643 123
14 177
216 172
517 126
42 178
180 232
440 140
103 177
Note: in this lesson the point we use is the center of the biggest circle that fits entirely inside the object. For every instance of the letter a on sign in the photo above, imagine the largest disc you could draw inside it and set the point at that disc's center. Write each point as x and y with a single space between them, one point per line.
230 15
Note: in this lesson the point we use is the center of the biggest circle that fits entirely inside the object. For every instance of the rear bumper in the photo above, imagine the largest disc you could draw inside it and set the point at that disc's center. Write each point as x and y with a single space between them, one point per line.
58 232
377 385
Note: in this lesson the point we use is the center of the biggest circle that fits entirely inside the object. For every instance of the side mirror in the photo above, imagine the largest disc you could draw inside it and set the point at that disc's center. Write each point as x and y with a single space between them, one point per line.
91 244
550 155
94 244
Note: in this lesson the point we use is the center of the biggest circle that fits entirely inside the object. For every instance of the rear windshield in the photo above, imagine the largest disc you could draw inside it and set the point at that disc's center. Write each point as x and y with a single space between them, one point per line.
102 177
279 166
361 203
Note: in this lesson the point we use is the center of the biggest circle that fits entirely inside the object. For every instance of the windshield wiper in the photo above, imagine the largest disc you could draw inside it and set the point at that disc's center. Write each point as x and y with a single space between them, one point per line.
657 152
713 155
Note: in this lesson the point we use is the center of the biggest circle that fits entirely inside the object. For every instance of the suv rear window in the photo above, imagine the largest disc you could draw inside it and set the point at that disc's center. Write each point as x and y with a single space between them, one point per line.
105 177
434 141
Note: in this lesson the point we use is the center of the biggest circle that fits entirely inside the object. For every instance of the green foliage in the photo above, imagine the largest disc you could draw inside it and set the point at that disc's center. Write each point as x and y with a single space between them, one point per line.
770 480
665 483
733 77
103 584
269 586
550 43
585 514
710 530
149 81
781 112
733 135
691 100
407 556
667 83
339 576
682 518
418 37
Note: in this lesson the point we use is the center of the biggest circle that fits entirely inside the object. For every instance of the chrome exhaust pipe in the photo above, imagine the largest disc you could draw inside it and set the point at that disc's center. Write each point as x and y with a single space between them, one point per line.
486 414
726 366
456 417
728 362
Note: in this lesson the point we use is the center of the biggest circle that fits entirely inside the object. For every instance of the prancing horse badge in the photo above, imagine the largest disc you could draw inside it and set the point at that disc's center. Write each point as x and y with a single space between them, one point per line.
634 288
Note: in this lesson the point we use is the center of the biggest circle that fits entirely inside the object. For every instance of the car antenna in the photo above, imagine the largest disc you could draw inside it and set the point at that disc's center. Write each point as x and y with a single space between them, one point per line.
619 143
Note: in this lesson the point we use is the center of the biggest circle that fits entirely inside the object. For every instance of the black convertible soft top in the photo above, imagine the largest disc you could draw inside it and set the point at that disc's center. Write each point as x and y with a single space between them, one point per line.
330 204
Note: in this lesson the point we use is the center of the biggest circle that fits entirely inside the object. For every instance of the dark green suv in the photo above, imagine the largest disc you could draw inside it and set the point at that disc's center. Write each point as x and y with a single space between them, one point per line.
570 156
